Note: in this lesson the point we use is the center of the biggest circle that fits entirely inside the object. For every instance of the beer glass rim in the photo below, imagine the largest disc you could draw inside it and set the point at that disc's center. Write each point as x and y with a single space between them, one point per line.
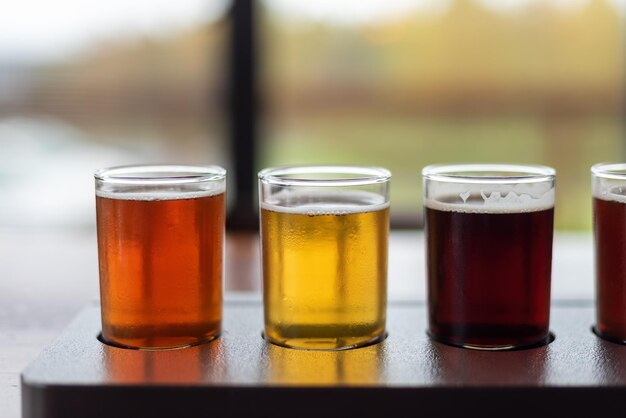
489 173
308 175
153 174
609 170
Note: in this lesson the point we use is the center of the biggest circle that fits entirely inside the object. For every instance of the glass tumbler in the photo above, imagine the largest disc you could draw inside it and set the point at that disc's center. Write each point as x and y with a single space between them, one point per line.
489 230
608 186
324 239
160 251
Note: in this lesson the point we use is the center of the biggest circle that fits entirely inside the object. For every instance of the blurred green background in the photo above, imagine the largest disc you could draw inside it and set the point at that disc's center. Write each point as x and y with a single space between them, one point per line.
527 82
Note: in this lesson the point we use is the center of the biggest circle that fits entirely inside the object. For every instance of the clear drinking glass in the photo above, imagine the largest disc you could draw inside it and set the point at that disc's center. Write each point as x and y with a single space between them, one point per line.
608 183
489 230
160 251
324 239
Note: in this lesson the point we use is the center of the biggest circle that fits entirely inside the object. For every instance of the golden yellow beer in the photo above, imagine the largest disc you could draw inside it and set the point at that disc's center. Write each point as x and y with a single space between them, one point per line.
325 270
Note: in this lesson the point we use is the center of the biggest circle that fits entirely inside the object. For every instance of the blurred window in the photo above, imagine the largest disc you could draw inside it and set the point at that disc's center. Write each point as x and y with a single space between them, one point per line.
399 83
84 85
406 83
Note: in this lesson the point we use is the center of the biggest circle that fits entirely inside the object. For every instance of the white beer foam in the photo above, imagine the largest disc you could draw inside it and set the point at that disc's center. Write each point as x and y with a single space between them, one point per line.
159 195
610 194
325 203
493 203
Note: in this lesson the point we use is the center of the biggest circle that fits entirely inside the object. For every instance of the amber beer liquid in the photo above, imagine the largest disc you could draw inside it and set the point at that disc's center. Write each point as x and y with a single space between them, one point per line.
489 276
325 270
160 258
610 254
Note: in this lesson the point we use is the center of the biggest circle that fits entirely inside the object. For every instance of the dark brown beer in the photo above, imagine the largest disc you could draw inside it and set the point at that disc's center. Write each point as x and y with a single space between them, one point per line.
489 274
160 269
610 255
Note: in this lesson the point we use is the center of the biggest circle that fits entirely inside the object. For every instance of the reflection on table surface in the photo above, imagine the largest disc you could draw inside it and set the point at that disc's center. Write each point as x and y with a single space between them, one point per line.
309 368
126 366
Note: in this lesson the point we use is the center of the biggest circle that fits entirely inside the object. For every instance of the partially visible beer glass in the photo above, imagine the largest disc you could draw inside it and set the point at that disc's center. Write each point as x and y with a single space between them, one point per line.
608 183
160 251
489 232
324 237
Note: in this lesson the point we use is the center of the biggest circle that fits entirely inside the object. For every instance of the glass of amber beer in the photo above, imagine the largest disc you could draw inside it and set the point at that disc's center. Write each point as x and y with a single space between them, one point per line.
324 237
609 224
489 230
160 250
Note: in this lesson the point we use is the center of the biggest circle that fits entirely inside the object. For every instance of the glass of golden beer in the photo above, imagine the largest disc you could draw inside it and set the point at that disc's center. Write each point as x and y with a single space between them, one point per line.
160 235
324 237
609 227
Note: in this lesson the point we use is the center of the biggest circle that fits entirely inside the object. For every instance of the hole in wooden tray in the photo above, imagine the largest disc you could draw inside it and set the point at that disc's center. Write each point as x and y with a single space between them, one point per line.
178 347
598 334
310 346
549 339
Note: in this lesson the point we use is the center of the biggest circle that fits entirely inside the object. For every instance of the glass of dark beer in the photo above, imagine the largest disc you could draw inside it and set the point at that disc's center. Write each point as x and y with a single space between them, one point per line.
608 183
160 235
324 236
489 230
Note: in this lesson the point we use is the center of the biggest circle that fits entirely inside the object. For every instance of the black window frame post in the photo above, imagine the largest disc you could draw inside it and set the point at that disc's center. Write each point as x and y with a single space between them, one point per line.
242 115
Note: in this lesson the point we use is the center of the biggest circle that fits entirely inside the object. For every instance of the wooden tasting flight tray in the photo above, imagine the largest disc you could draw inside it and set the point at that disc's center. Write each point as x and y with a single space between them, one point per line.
239 374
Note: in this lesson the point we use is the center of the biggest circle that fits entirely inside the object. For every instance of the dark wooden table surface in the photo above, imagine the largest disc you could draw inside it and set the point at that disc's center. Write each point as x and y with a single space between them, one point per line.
48 276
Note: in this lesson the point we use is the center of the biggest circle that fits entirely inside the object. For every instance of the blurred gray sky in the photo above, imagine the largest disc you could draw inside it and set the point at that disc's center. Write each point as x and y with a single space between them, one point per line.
35 30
